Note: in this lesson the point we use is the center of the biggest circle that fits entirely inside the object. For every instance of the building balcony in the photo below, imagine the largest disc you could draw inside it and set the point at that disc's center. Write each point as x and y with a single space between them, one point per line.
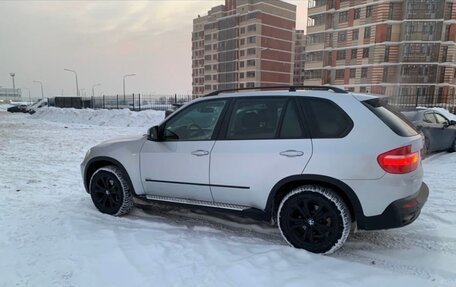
317 10
316 28
314 65
315 47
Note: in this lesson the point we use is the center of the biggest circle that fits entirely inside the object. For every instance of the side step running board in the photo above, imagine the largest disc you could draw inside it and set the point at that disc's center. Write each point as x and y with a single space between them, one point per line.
197 202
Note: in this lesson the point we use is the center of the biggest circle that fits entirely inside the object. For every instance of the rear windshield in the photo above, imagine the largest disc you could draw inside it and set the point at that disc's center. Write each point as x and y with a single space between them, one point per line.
412 116
392 118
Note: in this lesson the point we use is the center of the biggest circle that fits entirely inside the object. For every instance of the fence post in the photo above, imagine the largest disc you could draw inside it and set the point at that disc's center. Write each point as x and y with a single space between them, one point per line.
103 101
133 101
175 98
139 99
117 101
91 103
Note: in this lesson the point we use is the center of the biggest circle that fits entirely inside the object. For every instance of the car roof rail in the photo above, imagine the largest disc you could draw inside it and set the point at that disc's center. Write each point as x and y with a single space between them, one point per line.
289 88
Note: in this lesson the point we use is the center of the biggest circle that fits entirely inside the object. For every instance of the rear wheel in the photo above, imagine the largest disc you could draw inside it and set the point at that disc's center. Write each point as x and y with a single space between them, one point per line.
110 191
314 218
453 147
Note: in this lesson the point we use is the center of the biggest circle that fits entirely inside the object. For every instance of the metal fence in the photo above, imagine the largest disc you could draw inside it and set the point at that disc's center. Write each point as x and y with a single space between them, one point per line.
410 102
134 102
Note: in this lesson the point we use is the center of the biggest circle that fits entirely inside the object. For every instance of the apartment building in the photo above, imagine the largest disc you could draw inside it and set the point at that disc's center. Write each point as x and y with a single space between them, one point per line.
401 48
244 43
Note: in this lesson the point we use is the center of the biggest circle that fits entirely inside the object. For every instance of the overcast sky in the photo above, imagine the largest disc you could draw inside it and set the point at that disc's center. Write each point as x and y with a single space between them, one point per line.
102 41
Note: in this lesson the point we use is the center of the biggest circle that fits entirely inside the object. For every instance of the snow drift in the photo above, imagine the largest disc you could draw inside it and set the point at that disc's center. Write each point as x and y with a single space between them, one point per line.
116 118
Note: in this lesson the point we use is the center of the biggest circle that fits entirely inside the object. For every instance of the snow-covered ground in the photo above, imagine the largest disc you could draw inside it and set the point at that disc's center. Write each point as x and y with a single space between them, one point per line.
51 235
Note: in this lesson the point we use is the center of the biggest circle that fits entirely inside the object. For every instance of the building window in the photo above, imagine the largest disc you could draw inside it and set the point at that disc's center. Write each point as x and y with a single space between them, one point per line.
251 51
241 64
363 72
355 34
242 53
367 32
357 14
214 77
343 17
250 74
207 67
243 30
214 57
352 73
214 67
342 36
251 40
242 41
207 47
340 55
353 53
250 63
369 11
251 28
366 53
250 85
241 75
340 74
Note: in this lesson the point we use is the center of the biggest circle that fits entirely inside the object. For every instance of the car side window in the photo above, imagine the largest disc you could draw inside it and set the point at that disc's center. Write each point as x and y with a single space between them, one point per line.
255 118
196 122
326 119
441 119
429 118
291 127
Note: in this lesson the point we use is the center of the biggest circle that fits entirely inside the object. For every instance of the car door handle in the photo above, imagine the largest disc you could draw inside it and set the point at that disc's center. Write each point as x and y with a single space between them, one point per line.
200 152
292 153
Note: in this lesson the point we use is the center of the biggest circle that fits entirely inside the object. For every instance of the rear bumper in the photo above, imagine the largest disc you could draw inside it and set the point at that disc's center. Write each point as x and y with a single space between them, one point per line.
399 213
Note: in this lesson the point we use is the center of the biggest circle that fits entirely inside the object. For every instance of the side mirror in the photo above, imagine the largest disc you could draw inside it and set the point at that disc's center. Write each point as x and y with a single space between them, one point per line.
153 134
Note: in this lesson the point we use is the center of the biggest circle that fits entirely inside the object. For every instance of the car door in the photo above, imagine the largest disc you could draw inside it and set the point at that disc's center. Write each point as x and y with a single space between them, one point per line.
448 131
263 141
432 130
177 165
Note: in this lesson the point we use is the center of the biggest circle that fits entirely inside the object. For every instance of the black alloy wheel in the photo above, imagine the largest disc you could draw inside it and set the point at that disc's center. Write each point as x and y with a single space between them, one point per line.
110 192
314 222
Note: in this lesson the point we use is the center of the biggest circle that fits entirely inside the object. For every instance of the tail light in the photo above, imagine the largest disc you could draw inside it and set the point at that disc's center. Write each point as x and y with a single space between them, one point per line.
400 160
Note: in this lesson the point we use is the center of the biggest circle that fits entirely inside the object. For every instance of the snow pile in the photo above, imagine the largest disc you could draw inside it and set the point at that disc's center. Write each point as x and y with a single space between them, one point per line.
446 113
4 107
116 118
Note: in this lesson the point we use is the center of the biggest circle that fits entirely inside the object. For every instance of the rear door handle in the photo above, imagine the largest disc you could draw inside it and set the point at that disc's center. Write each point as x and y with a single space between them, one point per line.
200 152
292 153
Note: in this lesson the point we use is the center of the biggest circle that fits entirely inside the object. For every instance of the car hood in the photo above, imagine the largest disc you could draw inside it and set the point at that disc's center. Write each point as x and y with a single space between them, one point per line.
122 140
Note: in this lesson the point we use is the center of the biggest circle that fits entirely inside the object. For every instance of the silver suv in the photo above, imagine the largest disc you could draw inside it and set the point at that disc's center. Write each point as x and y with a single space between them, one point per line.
316 161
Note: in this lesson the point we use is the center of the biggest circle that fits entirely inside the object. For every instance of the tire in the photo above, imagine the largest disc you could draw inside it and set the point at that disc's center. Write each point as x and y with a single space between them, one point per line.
110 191
304 226
453 147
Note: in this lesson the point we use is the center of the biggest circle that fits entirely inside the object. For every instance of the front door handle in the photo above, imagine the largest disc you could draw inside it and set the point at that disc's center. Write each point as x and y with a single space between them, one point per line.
292 153
200 152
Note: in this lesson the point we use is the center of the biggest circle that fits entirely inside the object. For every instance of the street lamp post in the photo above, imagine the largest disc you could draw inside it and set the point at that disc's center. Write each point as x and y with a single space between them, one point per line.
14 85
125 76
76 75
93 89
41 83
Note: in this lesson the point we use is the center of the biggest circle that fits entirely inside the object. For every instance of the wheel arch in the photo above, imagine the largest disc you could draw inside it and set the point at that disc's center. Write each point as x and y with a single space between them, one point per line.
97 162
284 186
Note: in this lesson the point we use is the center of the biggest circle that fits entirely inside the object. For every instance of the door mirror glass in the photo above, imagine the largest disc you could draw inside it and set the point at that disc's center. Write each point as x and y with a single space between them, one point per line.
153 134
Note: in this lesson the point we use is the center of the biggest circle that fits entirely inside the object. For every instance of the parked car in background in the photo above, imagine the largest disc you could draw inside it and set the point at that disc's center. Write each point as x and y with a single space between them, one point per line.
439 132
18 109
37 105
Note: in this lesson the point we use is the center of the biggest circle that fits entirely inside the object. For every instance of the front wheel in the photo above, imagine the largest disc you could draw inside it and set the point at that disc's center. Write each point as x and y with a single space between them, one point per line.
110 191
314 218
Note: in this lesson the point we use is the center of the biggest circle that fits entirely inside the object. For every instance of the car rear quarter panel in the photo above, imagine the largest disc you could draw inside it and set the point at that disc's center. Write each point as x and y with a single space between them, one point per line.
353 159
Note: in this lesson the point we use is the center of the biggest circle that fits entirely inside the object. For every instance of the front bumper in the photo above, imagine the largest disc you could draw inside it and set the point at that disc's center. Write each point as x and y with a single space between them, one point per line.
399 213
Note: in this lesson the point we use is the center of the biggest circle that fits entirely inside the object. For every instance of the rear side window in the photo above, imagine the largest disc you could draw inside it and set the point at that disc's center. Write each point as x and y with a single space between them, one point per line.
397 122
291 127
326 119
255 118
